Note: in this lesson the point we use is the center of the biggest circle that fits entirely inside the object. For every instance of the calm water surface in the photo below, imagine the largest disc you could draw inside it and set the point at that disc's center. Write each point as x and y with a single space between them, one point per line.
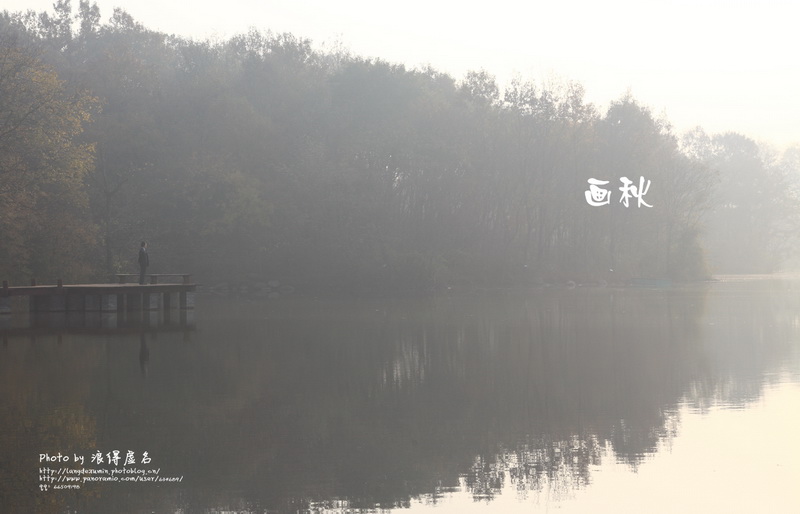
573 400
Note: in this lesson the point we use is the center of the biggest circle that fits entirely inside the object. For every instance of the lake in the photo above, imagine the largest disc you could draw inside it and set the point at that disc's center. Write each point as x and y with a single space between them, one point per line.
681 399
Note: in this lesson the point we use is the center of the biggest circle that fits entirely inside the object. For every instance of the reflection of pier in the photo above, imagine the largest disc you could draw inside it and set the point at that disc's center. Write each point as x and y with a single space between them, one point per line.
37 325
45 330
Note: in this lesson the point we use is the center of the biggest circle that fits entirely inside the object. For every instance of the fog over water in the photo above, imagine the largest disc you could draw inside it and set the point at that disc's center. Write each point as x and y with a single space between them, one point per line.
614 399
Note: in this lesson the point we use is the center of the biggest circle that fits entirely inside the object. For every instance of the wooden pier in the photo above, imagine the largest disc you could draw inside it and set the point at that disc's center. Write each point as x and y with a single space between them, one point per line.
118 297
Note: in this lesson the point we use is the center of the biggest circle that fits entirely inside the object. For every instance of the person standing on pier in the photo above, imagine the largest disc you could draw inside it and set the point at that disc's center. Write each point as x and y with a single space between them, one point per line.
144 261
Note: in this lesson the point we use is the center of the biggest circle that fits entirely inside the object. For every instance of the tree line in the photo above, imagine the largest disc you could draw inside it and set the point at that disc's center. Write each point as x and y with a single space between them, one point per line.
263 156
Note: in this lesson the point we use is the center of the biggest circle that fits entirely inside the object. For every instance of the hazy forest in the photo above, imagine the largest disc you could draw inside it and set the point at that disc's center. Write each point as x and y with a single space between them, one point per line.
265 157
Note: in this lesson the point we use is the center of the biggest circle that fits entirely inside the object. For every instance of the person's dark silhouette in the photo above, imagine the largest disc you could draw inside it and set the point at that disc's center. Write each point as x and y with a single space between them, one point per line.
144 261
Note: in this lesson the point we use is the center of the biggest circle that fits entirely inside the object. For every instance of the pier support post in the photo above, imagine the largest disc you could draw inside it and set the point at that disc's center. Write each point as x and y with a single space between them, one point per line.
185 300
5 305
151 301
143 301
186 317
5 301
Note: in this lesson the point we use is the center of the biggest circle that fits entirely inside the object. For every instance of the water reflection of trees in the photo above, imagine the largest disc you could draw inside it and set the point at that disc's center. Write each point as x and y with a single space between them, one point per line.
364 404
584 373
534 466
39 414
392 401
749 328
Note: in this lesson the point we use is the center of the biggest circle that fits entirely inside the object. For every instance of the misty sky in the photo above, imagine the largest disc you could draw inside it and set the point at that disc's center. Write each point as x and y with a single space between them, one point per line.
723 65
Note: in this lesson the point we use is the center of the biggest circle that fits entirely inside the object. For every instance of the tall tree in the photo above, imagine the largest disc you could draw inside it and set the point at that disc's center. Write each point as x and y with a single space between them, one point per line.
755 207
44 221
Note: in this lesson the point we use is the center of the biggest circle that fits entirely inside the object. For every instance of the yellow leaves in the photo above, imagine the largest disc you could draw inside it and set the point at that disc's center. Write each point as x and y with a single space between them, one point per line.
42 163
